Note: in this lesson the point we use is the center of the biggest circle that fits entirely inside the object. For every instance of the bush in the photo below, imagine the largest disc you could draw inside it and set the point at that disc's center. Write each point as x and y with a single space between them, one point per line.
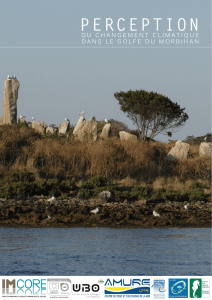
96 185
139 192
23 184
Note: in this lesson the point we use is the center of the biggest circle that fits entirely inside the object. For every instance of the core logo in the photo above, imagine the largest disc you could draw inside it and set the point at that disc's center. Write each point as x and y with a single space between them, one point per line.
23 287
127 286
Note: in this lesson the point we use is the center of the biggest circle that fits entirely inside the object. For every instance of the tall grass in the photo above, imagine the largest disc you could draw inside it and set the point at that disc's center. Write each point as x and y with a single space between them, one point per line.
62 157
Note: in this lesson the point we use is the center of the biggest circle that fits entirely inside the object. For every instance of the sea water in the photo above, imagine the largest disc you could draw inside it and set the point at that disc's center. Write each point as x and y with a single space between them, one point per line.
105 251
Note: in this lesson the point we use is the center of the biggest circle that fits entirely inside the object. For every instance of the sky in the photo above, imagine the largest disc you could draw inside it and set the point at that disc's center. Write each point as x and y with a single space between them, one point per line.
62 73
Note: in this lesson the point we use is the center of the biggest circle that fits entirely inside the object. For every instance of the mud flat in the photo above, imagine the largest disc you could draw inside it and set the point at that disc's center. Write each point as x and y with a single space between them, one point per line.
39 212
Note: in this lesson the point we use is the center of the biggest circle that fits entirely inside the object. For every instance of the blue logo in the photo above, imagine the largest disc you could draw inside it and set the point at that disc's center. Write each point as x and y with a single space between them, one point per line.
178 288
159 286
127 287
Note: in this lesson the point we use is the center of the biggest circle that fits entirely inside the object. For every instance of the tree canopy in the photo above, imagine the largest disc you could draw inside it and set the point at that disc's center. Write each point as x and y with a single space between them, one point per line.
153 113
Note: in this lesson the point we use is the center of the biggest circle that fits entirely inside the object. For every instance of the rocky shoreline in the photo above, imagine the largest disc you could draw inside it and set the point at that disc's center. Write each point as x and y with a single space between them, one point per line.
40 211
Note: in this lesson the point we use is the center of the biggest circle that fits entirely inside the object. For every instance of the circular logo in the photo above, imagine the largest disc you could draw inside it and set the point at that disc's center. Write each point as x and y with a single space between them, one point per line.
100 281
64 287
54 285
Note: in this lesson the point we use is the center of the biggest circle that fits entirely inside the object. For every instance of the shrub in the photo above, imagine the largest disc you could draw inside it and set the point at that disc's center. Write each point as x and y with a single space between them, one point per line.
139 192
23 184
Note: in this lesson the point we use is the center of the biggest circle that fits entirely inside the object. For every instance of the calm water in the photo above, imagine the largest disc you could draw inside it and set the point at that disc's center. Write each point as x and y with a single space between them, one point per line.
103 251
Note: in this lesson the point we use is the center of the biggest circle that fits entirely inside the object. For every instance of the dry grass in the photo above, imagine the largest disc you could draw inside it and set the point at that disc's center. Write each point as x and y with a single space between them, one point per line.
127 163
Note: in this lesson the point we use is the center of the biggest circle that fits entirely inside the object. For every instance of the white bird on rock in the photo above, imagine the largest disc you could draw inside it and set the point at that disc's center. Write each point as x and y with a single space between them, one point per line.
67 120
106 120
8 76
21 117
33 118
82 113
51 199
49 217
95 211
155 214
186 207
14 76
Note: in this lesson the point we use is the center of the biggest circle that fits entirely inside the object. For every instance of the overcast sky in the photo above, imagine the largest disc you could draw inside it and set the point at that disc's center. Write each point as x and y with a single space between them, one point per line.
61 73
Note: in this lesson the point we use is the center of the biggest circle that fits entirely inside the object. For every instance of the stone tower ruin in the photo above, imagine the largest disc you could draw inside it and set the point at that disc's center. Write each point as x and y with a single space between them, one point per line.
11 86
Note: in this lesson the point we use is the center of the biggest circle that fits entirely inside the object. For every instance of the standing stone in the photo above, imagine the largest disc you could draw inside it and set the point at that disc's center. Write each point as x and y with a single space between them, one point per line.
125 136
180 151
79 126
106 131
205 149
90 129
11 86
86 130
64 127
22 120
51 130
39 126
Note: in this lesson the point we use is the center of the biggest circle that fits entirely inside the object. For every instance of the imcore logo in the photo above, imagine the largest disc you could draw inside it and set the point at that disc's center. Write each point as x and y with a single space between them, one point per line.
24 287
8 287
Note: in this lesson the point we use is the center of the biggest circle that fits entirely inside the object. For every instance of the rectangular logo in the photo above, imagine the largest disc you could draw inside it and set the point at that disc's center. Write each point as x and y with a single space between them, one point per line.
178 288
199 288
125 286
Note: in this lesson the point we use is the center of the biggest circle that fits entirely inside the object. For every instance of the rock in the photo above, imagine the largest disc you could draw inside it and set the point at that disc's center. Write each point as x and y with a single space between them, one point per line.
125 136
51 130
64 127
22 120
207 191
86 130
39 126
80 195
205 149
107 195
192 221
141 202
106 131
180 151
11 87
79 126
42 124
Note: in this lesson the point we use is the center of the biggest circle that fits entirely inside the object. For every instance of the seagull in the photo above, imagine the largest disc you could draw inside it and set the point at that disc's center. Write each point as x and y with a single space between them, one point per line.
51 199
186 207
95 211
155 214
8 76
14 76
49 217
33 118
106 120
82 113
67 120
21 117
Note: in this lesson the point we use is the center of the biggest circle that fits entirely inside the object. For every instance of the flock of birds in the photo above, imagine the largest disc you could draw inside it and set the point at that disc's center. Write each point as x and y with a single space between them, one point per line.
155 214
52 199
96 210
8 76
67 120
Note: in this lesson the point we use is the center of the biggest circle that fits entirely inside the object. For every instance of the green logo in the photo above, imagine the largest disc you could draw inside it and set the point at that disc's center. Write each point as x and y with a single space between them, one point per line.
196 288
